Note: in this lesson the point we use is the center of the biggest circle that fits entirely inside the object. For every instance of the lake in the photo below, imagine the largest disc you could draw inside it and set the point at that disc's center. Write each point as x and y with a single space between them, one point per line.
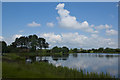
91 62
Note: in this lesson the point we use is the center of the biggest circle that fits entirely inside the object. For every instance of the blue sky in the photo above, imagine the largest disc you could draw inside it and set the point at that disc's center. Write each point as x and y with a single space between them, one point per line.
62 21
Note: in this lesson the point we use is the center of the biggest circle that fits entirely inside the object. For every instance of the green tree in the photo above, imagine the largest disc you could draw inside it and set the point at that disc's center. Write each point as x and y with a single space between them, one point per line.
31 42
65 49
41 43
75 50
100 49
4 47
55 49
46 45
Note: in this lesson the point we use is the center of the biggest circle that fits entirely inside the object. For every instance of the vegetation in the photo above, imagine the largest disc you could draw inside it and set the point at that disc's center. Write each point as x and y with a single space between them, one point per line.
25 44
33 43
14 66
15 54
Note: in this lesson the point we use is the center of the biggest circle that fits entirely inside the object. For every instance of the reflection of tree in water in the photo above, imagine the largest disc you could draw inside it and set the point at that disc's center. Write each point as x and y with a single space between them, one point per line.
109 56
75 54
100 56
55 58
33 58
63 57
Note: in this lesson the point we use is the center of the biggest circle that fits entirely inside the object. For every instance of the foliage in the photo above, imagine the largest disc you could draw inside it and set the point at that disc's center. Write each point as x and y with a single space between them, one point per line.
4 47
56 49
75 50
33 43
25 44
65 49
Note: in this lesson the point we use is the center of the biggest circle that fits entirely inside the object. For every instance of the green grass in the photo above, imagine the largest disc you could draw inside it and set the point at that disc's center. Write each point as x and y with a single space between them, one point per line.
43 70
0 66
15 67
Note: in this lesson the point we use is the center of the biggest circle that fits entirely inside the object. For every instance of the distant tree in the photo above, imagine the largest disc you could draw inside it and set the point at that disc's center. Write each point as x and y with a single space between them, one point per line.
71 51
65 49
100 49
75 50
56 49
106 50
117 50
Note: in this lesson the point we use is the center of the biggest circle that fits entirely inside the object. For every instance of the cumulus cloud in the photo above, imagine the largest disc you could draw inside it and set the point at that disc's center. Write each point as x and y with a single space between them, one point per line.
34 24
68 21
72 40
50 24
52 38
111 32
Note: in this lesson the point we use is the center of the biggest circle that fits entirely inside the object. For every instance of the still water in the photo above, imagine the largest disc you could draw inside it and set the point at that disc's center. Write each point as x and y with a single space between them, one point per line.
91 62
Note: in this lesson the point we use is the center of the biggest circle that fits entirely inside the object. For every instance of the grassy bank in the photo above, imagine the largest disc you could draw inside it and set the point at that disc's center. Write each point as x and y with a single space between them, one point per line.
44 70
14 66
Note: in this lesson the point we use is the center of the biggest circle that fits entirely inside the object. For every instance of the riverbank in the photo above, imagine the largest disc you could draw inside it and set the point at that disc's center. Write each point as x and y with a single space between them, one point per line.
33 54
14 66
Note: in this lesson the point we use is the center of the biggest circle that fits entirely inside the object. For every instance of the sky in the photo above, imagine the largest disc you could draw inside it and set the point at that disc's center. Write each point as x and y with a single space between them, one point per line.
71 24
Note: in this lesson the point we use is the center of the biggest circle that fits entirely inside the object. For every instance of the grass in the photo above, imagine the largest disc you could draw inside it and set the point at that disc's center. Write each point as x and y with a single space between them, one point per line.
15 67
44 70
0 66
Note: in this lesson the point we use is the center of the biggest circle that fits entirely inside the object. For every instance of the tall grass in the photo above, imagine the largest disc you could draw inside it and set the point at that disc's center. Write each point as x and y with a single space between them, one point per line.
44 70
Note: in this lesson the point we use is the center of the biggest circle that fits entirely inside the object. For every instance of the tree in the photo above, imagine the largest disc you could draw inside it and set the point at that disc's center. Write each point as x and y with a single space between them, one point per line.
75 50
4 47
65 49
100 49
41 43
107 50
31 42
56 49
46 45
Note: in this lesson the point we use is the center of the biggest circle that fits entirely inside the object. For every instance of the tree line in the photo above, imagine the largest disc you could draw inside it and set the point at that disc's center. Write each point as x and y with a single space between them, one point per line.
33 43
99 50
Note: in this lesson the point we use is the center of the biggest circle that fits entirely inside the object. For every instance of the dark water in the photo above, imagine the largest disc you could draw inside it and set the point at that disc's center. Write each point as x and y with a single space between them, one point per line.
92 62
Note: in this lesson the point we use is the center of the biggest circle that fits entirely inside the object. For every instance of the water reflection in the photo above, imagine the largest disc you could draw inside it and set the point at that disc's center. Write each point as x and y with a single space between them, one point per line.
92 62
75 55
63 57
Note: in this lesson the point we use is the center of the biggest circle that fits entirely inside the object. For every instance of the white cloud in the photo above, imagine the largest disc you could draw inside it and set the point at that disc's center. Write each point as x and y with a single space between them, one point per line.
11 39
52 38
1 38
111 32
72 40
100 27
68 21
50 24
16 36
33 24
21 31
